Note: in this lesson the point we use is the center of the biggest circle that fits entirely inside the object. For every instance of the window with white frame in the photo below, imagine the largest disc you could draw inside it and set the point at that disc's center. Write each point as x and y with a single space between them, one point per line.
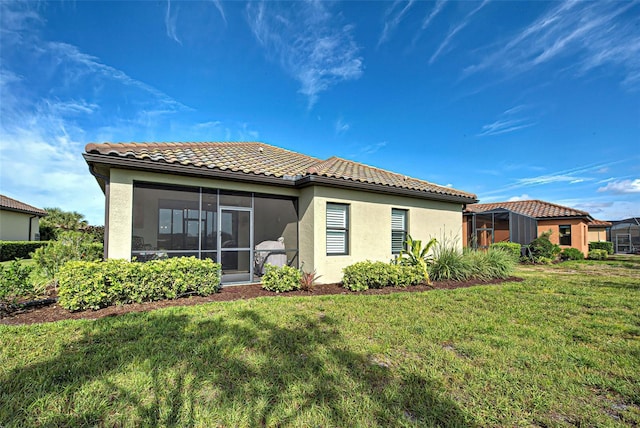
398 230
337 229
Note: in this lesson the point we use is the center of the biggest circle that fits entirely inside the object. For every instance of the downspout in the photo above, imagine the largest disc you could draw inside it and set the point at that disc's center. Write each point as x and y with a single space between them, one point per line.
106 207
30 219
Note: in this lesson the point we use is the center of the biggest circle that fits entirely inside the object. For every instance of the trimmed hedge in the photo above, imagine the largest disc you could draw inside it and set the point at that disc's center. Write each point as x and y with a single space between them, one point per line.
511 247
598 254
602 245
11 250
571 254
364 275
281 279
93 285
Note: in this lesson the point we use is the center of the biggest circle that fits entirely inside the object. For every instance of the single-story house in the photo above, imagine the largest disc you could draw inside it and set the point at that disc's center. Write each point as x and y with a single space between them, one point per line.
599 230
19 221
248 204
523 221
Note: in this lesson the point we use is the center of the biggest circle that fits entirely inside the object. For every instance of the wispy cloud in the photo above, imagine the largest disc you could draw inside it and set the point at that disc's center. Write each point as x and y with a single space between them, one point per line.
593 34
341 126
372 148
622 187
393 17
426 22
309 42
455 30
575 175
523 197
507 122
218 5
170 22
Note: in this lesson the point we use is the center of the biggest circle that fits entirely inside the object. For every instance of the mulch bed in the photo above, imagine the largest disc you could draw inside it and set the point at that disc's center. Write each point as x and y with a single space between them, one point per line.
54 312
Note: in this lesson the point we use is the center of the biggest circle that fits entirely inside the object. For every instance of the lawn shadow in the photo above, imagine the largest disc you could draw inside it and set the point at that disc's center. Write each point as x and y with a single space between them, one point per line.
173 370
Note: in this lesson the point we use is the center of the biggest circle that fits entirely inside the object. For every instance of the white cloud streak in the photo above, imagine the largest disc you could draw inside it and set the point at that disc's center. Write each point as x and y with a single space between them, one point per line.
394 18
170 21
218 5
308 42
507 123
622 187
594 34
445 43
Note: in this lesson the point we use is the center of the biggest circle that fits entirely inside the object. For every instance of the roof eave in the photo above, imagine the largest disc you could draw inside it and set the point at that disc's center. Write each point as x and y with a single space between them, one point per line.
185 170
18 210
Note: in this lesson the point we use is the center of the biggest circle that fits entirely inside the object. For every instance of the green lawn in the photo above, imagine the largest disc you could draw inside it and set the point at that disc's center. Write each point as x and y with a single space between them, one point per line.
561 348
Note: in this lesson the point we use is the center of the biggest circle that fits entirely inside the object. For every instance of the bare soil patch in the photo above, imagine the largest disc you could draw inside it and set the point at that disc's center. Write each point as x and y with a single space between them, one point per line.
54 312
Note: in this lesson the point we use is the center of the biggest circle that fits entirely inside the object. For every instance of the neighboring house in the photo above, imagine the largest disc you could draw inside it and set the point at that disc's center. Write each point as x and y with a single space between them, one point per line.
19 221
222 200
598 230
625 235
523 221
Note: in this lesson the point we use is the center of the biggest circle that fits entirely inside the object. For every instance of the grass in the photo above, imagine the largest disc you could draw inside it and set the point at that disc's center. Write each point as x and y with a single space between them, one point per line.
561 348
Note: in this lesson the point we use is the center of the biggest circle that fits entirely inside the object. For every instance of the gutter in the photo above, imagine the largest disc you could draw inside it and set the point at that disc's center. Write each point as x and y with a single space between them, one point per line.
106 180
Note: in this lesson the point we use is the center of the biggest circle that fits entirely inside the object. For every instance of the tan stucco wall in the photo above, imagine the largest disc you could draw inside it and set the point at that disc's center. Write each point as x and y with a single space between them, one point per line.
121 201
14 226
597 234
370 227
369 219
579 232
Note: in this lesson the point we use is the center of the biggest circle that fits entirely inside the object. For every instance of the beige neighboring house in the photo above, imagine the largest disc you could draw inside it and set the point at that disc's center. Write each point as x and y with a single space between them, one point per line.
598 230
248 204
19 221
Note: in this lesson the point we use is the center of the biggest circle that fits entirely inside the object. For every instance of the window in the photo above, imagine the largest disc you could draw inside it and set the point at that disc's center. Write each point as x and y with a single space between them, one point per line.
565 234
398 230
337 229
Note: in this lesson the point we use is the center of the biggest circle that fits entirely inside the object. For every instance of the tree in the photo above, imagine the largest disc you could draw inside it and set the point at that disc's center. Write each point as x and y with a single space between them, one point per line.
58 220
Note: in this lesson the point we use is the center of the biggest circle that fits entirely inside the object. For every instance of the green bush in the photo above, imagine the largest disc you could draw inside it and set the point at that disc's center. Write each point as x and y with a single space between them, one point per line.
15 284
364 275
542 248
598 254
71 245
601 245
571 254
11 250
511 247
280 279
93 285
449 264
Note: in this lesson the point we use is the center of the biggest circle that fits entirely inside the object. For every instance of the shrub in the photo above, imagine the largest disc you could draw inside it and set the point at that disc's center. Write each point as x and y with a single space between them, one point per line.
598 254
71 245
500 264
416 255
511 247
308 279
364 275
601 245
280 279
15 284
11 250
93 285
571 254
541 247
449 264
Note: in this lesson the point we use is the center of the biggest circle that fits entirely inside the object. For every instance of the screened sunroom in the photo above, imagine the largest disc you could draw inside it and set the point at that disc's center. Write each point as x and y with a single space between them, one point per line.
500 225
242 231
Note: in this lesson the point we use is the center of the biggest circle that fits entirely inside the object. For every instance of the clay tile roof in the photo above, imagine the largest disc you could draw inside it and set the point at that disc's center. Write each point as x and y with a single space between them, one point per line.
534 208
267 160
599 223
10 204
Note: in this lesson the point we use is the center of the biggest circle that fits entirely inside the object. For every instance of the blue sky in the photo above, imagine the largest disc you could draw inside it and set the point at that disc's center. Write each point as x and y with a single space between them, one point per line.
508 100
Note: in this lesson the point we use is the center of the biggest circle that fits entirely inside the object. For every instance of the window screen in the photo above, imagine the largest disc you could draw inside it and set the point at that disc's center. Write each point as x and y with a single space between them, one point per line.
398 230
337 229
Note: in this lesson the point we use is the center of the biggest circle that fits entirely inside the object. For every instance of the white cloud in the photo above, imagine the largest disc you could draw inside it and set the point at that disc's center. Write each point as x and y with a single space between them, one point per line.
507 123
341 126
445 43
309 42
393 18
373 148
170 22
594 34
523 197
621 187
218 5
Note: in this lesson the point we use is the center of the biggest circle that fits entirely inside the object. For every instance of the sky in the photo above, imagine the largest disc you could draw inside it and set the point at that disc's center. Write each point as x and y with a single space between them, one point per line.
507 100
